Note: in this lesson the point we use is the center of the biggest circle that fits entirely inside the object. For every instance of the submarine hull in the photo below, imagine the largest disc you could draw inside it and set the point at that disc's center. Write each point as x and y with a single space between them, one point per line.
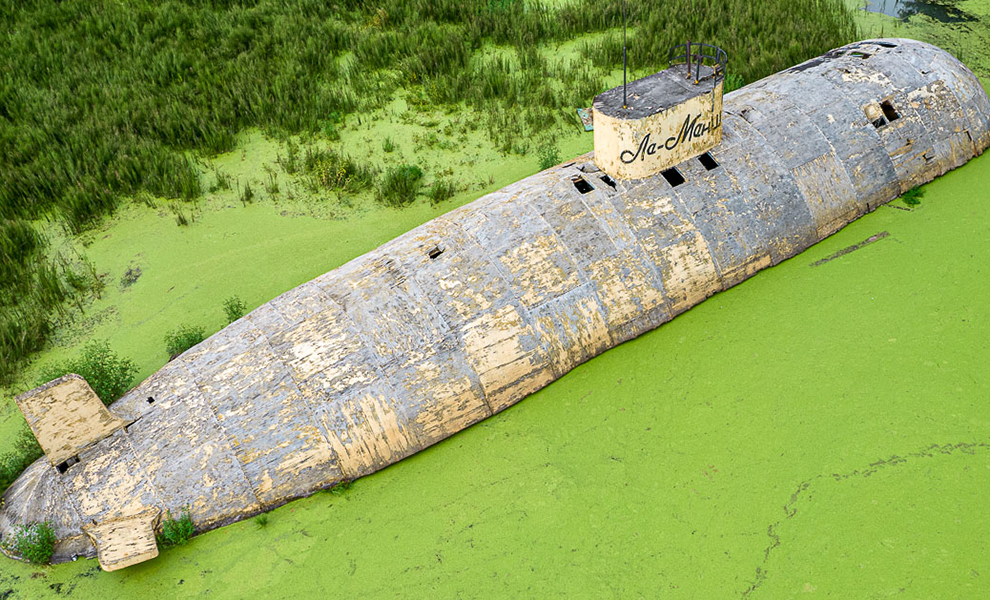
467 314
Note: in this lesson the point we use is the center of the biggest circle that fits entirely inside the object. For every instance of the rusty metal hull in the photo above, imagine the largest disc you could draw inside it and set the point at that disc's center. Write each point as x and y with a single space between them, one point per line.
473 311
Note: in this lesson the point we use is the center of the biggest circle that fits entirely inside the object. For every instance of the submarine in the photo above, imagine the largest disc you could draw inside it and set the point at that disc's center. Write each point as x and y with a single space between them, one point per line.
686 194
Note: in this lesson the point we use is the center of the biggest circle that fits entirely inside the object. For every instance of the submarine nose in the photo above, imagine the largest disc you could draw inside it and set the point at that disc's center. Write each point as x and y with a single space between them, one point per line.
37 497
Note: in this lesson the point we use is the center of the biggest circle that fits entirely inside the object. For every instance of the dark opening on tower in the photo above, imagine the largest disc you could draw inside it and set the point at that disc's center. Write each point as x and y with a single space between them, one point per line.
64 466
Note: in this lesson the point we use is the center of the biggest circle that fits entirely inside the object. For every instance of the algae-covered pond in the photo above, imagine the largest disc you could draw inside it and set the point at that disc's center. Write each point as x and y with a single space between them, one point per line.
819 430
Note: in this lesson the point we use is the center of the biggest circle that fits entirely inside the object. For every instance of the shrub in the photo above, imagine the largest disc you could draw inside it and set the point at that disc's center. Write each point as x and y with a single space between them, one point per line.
388 145
441 190
34 542
234 308
108 374
548 154
261 521
399 185
183 338
913 196
175 532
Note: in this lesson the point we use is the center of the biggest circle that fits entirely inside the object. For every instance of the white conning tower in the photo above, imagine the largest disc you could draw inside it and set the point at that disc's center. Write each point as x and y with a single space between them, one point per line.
654 123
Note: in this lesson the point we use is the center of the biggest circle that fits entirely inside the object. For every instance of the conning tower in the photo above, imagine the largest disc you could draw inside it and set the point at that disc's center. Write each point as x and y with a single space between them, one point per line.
654 123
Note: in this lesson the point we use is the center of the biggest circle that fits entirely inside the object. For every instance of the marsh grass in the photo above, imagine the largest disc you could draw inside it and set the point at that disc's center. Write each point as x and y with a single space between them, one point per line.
399 185
100 101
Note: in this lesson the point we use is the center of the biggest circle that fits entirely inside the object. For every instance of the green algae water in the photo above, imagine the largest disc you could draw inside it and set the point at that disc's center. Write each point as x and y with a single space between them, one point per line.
818 429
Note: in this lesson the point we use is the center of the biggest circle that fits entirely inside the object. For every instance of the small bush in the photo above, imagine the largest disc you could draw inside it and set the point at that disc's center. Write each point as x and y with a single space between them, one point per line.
175 532
388 145
399 185
441 190
548 154
108 374
34 542
234 308
913 196
183 338
261 521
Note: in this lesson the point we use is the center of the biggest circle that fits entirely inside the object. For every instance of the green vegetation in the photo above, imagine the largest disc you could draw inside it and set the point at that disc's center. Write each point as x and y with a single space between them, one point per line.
548 154
442 190
398 186
233 308
34 542
341 487
107 373
176 532
261 521
913 196
25 451
183 338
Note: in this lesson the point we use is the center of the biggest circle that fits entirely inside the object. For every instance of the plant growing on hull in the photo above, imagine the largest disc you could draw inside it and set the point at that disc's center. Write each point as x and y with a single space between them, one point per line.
183 338
549 154
12 464
175 532
34 542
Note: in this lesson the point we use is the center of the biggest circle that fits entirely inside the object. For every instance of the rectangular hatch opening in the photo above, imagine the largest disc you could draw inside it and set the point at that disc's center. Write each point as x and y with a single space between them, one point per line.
673 176
582 186
708 161
888 111
64 465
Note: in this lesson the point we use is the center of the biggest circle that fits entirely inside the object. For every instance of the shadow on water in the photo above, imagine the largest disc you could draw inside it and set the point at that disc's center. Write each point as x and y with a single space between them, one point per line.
944 11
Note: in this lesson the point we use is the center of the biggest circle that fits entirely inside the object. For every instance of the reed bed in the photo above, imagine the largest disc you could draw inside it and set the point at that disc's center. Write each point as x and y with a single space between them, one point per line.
100 100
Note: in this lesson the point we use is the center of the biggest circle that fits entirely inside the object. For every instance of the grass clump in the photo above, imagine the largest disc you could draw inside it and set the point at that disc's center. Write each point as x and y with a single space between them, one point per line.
332 171
398 186
913 196
176 532
442 190
107 373
34 542
261 521
183 338
233 308
549 155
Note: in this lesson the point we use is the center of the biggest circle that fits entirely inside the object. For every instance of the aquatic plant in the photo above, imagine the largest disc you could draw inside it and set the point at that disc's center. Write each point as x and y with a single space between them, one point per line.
398 186
233 308
175 532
